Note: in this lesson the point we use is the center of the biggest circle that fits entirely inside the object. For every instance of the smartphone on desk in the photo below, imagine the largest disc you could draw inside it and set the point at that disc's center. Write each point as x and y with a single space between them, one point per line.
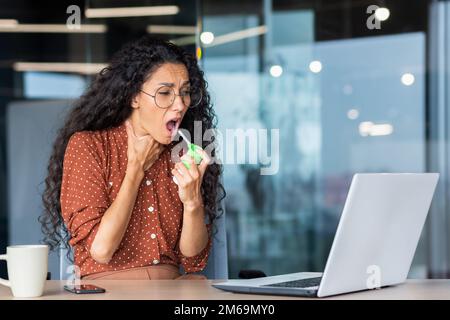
84 288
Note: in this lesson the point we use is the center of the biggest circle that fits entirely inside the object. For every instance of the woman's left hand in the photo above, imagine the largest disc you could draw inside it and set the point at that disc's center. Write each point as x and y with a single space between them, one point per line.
190 180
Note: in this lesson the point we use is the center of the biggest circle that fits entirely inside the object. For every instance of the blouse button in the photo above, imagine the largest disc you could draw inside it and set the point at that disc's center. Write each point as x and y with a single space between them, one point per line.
151 209
153 236
155 261
148 182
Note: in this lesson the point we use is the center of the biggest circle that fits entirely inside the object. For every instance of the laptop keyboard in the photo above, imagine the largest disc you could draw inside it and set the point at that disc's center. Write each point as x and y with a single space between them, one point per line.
302 283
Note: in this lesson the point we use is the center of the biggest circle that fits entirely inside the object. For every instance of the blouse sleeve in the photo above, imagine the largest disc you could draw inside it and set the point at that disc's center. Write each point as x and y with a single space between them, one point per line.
84 197
198 262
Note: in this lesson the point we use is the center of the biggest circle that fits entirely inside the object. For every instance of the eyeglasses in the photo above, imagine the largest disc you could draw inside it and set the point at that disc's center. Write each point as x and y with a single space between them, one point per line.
165 97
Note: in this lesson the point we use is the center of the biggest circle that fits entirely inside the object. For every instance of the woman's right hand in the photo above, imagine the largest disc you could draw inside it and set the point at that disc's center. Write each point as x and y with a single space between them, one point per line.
142 151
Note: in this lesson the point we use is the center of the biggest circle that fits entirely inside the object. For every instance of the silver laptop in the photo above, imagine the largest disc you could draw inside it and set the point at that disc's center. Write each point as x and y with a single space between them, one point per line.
374 244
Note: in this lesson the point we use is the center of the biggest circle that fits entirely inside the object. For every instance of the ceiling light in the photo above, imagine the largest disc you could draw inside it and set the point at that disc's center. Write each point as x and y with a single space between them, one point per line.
207 37
382 14
71 67
122 12
237 35
353 114
52 28
276 71
315 66
408 79
8 23
171 29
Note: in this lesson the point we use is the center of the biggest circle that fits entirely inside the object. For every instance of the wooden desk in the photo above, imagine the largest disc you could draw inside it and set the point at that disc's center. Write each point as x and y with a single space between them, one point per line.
202 290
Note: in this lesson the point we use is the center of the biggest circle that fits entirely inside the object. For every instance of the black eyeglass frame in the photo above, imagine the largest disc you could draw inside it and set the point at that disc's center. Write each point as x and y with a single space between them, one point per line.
175 95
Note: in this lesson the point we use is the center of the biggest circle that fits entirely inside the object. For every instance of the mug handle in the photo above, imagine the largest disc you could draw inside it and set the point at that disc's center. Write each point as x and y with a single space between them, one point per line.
3 281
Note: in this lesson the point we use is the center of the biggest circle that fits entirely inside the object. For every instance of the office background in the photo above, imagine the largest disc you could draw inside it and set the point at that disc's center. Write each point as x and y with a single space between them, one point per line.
346 97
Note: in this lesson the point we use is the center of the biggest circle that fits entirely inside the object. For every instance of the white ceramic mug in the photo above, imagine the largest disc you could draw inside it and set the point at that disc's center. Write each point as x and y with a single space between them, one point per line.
27 270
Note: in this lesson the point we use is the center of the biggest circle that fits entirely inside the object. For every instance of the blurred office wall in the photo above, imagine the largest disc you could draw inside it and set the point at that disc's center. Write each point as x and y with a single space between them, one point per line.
31 129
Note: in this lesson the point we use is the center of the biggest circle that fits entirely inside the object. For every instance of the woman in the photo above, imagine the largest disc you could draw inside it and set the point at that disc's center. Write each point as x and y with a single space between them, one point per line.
113 191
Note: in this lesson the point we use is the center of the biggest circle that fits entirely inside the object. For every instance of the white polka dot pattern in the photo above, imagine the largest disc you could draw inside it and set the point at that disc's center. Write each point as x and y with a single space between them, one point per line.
93 170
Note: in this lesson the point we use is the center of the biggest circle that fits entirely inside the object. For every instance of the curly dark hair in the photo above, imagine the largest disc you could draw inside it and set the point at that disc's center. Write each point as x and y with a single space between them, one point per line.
107 104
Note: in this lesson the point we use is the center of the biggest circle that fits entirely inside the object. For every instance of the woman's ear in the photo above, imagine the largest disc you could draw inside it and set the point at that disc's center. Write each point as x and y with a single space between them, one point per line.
135 104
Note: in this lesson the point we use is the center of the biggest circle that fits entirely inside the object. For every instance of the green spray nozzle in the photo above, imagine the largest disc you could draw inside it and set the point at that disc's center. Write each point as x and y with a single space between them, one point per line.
193 151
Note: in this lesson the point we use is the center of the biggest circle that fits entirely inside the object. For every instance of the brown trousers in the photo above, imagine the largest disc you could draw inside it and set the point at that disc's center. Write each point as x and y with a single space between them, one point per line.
154 272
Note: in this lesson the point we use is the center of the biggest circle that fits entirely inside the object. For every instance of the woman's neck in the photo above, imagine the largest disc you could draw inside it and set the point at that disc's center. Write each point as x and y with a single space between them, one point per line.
136 124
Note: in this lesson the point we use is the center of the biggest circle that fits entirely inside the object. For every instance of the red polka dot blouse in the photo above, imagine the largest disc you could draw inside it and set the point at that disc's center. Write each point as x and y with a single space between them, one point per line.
94 167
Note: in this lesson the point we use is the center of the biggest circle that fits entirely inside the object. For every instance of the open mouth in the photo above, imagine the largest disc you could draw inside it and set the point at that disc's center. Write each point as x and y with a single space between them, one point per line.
172 126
